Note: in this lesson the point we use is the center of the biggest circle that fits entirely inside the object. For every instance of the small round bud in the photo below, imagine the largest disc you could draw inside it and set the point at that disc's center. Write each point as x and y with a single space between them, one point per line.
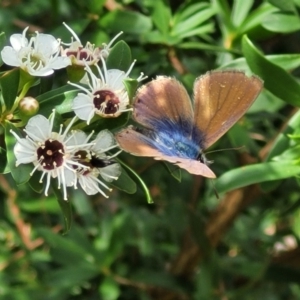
28 106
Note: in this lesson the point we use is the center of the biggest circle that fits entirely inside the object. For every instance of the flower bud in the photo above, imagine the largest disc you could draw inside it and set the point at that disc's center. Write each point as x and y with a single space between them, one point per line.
28 106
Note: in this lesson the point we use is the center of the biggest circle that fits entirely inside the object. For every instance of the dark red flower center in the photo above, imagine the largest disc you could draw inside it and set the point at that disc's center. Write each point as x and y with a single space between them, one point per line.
51 154
106 101
80 54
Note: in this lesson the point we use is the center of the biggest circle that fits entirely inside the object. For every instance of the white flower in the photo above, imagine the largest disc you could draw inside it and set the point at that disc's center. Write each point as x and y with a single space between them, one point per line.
106 96
93 156
49 151
38 56
88 54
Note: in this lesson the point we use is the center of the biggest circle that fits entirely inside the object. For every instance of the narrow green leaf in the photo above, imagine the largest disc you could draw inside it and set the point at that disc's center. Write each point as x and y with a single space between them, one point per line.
65 206
224 12
60 97
35 183
281 143
107 123
9 83
194 21
280 22
286 87
2 44
204 46
187 11
119 57
256 173
161 16
240 11
125 183
174 170
134 22
21 173
38 205
284 5
131 87
204 29
255 18
3 160
142 183
285 61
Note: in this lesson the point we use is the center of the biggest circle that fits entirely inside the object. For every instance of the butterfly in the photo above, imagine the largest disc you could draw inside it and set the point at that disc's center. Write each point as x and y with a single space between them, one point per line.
177 130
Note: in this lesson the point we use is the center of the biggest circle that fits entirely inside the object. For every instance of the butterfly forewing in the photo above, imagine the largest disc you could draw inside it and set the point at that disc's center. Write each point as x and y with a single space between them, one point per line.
163 99
220 99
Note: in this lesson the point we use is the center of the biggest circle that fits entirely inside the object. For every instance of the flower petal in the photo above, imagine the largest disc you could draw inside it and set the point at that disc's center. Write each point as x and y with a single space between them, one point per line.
111 172
103 141
10 56
25 152
18 41
77 138
89 184
38 128
115 79
60 62
46 44
83 107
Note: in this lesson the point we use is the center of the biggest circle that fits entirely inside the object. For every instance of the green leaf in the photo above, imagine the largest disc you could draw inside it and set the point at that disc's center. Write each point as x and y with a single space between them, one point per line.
255 18
184 26
284 5
109 289
142 183
38 205
134 22
3 160
285 61
280 22
2 44
9 83
125 183
280 145
161 16
119 57
256 173
240 11
131 87
65 206
60 98
107 123
35 183
21 173
276 80
174 170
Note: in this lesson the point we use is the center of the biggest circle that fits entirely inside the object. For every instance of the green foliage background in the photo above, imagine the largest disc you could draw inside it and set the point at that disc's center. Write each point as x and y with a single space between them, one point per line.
187 244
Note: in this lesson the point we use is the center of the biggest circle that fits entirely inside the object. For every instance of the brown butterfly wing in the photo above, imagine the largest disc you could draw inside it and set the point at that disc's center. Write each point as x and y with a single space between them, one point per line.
162 98
136 144
221 98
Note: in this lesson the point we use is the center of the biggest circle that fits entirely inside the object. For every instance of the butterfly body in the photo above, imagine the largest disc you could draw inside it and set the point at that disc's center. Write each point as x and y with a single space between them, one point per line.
175 131
173 139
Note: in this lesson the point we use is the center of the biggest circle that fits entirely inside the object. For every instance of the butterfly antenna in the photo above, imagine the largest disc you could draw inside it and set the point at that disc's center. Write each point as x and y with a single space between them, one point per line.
214 189
226 149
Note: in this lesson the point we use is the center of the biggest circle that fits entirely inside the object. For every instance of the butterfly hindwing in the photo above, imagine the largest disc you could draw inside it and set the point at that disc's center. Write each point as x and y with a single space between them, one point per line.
220 99
138 144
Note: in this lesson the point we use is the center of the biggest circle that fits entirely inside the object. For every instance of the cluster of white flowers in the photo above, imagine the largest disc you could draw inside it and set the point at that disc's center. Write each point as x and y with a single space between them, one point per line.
71 156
